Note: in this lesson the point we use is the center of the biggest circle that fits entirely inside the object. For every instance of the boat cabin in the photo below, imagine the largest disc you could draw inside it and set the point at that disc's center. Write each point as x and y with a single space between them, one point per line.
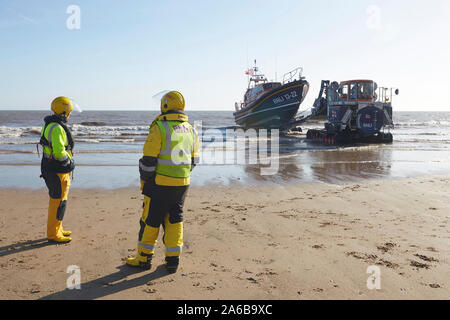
257 86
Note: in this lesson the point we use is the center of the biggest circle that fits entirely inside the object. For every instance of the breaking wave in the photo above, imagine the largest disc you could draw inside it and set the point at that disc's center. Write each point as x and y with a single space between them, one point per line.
80 132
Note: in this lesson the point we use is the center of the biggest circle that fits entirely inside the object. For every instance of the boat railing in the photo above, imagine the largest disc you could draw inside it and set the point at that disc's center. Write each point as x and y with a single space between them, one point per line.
292 75
385 95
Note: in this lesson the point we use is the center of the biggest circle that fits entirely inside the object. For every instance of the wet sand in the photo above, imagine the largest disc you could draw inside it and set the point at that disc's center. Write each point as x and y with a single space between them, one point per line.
305 241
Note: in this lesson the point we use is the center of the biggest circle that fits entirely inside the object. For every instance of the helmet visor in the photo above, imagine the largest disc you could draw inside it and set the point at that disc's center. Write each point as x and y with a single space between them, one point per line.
156 99
76 106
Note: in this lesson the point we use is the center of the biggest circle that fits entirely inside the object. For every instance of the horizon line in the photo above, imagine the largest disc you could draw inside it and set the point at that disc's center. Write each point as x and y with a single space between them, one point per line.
231 110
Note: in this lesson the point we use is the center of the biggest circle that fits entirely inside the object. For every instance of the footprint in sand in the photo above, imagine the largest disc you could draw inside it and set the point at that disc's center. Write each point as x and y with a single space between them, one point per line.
425 258
267 272
386 247
362 256
35 289
252 280
289 216
419 265
387 264
150 290
326 224
264 262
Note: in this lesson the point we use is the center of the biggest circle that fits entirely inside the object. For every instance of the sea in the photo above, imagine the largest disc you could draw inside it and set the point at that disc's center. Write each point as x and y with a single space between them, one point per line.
108 145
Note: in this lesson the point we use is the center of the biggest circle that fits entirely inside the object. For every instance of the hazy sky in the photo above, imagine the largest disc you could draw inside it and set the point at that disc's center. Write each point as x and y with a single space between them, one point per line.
126 51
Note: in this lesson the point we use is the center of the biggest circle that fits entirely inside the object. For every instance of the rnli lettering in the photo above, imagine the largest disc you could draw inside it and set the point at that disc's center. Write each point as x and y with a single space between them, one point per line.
181 129
285 97
278 100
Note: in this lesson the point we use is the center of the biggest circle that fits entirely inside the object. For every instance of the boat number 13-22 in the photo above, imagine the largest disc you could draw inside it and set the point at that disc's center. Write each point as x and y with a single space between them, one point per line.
285 97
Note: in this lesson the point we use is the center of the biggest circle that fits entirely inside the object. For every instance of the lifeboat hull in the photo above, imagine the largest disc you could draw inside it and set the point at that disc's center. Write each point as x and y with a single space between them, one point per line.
274 109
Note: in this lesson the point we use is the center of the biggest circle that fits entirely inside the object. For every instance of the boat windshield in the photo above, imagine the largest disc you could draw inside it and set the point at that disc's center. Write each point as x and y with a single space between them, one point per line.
257 91
271 85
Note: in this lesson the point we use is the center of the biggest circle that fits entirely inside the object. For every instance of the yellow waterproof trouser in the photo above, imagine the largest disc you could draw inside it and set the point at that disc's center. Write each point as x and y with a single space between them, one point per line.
165 210
58 186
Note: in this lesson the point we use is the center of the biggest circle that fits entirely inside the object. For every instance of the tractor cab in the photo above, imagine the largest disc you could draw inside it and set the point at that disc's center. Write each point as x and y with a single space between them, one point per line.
358 91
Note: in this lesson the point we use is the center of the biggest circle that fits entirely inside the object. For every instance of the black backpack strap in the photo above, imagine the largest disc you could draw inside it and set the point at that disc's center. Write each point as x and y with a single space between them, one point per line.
44 142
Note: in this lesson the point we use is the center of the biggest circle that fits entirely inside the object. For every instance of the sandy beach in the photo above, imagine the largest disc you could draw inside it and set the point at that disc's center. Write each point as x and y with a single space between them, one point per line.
304 241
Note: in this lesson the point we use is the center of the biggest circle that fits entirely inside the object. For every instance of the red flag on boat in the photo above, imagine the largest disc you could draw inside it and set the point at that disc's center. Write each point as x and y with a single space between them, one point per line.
249 72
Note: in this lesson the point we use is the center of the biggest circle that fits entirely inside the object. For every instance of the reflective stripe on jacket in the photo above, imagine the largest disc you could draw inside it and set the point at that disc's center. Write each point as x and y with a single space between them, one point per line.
177 144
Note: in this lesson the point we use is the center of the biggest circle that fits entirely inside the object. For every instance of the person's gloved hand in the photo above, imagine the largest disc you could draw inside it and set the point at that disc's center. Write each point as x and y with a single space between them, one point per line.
147 169
71 164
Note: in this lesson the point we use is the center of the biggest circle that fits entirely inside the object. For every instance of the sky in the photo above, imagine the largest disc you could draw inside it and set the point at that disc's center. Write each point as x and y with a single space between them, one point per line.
117 54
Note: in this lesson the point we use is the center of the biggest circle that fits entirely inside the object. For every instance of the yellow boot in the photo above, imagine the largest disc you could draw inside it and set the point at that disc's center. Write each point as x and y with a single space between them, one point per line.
142 260
54 228
60 240
65 233
147 241
146 244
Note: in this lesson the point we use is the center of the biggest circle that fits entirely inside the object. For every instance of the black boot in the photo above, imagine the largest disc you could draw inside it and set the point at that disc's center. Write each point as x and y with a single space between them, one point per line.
146 265
172 264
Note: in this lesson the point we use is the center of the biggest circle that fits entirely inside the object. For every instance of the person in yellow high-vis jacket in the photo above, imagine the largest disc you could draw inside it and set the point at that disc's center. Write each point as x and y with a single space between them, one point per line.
56 166
170 153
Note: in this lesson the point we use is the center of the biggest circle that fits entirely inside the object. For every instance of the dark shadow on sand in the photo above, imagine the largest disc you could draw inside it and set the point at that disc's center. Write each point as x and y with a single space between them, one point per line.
24 246
107 285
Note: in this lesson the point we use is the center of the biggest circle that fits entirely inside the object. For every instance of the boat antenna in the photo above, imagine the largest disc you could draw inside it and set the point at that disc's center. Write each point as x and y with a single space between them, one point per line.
248 76
276 66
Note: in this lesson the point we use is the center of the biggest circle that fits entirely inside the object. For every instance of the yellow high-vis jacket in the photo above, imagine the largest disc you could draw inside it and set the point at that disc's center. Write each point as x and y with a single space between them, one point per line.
152 150
57 143
57 138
